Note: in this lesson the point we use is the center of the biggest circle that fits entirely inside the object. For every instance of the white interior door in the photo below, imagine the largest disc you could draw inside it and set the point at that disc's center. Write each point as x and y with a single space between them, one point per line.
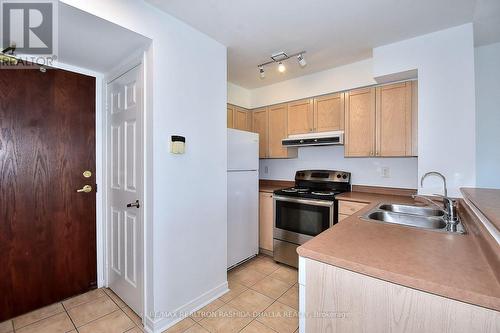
125 224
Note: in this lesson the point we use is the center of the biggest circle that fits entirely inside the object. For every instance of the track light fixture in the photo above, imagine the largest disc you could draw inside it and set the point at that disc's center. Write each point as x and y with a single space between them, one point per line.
302 61
281 67
280 58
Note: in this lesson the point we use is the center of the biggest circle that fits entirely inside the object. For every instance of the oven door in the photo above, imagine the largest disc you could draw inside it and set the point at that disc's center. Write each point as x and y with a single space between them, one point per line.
298 220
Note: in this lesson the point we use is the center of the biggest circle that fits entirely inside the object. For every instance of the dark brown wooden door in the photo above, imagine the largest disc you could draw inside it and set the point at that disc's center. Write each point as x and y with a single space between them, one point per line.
47 229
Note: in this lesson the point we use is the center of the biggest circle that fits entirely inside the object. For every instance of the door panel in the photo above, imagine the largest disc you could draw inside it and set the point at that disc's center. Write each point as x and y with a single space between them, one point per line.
278 132
47 229
266 221
125 114
241 119
329 113
230 116
300 117
260 124
394 120
360 123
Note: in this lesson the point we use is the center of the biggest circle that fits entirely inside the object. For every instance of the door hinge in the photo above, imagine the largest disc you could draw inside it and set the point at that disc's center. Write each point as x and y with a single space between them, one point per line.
95 188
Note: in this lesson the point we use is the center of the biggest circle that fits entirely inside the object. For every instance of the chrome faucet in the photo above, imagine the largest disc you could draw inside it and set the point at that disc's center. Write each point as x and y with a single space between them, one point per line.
435 173
450 204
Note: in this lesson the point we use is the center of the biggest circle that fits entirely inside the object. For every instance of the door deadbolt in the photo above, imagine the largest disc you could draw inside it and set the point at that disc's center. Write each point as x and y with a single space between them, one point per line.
87 174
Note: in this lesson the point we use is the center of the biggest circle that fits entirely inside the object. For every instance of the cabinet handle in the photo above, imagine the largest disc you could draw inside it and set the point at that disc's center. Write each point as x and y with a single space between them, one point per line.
371 153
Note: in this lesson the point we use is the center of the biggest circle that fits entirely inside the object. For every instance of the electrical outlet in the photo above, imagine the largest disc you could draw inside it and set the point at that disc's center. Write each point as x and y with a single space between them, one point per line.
385 172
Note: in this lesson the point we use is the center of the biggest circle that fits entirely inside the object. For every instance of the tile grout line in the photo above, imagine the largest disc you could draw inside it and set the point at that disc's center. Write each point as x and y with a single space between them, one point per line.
36 321
276 300
71 319
93 320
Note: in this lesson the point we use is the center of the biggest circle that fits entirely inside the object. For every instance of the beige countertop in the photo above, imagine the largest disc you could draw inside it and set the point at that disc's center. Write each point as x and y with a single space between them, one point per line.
272 185
452 266
269 188
487 201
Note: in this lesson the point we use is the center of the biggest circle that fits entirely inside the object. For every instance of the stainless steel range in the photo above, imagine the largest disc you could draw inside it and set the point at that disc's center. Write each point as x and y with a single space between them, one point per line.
306 210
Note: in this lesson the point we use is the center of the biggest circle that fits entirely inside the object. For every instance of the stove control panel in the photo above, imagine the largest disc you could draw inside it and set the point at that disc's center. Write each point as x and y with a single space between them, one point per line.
323 176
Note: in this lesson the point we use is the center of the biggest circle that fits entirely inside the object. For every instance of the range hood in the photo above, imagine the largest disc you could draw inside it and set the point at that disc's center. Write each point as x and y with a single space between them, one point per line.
314 139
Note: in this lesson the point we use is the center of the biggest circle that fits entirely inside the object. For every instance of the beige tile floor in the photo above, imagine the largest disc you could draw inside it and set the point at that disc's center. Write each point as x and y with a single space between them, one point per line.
263 298
98 311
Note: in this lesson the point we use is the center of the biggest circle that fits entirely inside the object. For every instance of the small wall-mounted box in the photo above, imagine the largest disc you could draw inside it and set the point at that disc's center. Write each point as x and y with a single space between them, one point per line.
177 144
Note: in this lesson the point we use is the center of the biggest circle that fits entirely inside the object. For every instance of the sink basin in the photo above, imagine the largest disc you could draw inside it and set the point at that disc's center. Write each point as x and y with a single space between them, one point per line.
415 210
422 217
408 220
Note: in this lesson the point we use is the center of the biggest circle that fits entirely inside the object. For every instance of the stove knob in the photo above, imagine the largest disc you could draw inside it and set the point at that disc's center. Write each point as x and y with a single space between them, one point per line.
338 175
344 176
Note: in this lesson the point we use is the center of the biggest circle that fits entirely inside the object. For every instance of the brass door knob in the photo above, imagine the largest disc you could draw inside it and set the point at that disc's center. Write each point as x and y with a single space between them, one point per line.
85 189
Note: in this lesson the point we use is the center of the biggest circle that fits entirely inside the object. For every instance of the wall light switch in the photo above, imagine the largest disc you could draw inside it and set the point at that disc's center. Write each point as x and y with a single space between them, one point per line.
266 170
385 172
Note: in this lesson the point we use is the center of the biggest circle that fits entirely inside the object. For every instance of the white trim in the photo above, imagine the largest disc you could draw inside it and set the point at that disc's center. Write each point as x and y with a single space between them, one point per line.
135 60
187 309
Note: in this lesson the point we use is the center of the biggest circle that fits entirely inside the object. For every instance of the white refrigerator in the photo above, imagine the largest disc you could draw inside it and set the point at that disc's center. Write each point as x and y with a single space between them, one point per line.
242 196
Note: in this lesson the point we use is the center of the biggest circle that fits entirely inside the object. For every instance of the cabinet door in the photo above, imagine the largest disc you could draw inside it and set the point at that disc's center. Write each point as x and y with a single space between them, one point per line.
277 131
241 119
360 123
230 116
329 113
260 123
266 221
394 120
300 117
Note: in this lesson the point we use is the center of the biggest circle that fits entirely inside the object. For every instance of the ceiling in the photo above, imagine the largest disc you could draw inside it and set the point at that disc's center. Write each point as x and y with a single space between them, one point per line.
333 32
100 47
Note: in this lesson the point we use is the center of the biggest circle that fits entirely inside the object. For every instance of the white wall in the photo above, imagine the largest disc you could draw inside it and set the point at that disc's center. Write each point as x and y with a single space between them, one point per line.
365 171
446 99
239 96
188 196
488 115
346 77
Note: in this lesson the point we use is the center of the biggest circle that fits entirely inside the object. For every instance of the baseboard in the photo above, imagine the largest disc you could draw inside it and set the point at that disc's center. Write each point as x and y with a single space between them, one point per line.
191 307
266 252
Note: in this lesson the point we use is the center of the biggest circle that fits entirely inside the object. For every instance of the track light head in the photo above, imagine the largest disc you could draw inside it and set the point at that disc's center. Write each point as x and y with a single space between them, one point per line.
302 61
281 67
262 73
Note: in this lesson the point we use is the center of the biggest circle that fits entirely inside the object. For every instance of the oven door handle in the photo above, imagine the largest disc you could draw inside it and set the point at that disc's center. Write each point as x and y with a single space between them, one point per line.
311 202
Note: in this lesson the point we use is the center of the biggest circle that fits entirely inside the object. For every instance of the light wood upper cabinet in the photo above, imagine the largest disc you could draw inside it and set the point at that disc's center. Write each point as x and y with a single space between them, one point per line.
382 121
329 113
360 122
394 120
260 124
278 131
230 114
266 221
300 117
239 118
242 119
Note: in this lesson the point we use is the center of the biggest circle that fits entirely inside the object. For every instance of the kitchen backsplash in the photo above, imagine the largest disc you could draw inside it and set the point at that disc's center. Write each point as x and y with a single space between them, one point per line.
388 172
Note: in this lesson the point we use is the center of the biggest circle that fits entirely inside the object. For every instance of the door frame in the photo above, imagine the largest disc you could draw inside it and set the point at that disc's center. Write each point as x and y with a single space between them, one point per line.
142 57
137 59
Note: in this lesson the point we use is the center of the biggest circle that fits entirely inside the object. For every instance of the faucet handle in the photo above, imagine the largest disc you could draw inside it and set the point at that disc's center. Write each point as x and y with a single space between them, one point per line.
450 205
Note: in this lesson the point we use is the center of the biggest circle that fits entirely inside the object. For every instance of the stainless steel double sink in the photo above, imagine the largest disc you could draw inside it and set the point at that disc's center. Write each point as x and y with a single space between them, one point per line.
422 217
